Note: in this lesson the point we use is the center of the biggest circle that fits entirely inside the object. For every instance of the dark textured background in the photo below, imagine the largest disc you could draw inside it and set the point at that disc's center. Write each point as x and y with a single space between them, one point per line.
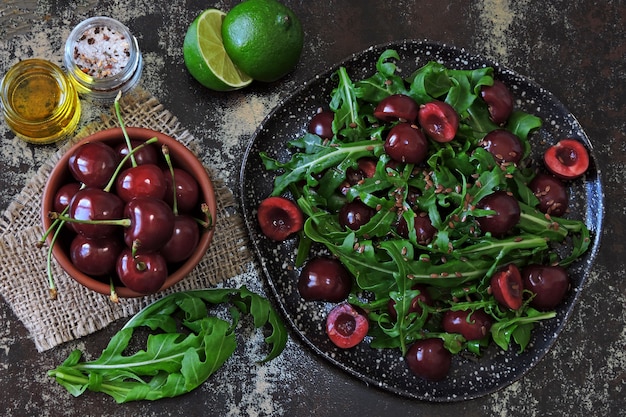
576 49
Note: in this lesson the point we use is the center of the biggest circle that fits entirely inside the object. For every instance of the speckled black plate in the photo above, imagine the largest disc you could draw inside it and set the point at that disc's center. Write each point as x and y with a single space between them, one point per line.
469 377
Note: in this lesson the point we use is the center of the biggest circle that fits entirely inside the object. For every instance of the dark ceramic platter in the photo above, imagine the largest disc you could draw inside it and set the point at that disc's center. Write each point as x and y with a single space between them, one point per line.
469 377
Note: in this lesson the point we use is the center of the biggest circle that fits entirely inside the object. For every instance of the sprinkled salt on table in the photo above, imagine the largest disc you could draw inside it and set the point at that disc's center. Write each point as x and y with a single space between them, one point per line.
101 52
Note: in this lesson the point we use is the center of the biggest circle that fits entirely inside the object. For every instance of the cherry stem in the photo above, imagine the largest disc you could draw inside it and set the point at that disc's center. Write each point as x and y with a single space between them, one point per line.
113 295
53 226
107 222
126 157
118 113
166 153
51 285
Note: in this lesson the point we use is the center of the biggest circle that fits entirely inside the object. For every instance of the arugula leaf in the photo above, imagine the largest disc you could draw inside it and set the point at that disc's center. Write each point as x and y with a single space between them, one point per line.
174 362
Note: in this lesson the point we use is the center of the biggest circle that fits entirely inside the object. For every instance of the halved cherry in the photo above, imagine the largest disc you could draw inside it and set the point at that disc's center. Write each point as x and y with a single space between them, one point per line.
406 143
346 326
507 287
279 218
397 107
439 120
568 159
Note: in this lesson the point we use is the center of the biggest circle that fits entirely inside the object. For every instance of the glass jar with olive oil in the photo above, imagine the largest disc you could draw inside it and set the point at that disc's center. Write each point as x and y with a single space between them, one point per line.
39 103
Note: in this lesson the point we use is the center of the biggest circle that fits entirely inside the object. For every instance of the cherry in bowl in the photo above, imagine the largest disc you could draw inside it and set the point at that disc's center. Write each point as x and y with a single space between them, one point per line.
181 157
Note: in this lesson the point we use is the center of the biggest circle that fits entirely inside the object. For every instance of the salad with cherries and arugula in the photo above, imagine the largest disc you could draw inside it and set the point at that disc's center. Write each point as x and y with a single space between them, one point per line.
442 234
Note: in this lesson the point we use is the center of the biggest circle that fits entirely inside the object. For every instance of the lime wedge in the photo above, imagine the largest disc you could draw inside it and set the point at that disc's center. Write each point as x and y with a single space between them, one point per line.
205 56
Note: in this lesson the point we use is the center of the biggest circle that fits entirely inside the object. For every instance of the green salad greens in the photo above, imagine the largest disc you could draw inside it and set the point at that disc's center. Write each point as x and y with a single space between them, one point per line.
186 345
458 263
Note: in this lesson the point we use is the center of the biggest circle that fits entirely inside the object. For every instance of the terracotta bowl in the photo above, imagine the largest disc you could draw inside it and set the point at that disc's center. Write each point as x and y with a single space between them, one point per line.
181 158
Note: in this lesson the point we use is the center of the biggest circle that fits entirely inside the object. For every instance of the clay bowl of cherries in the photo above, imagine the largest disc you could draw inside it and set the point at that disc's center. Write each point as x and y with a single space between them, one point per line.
128 223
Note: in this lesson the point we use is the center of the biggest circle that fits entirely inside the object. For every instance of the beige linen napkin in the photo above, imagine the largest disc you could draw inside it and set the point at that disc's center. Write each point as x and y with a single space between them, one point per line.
77 311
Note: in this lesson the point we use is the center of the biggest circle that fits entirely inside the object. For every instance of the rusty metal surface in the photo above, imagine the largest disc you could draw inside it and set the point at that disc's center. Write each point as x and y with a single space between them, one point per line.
576 49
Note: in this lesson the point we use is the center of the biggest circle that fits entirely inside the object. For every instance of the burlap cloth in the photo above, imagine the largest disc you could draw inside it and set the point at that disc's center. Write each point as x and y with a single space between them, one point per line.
78 311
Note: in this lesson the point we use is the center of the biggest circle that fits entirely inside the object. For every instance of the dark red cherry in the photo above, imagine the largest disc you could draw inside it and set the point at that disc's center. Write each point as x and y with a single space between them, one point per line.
424 229
397 107
143 154
568 159
346 326
439 120
548 283
144 273
429 359
93 164
322 124
92 204
324 279
406 143
355 214
551 193
415 306
96 257
183 241
472 325
151 224
507 213
503 145
279 218
64 195
499 101
187 190
141 181
507 287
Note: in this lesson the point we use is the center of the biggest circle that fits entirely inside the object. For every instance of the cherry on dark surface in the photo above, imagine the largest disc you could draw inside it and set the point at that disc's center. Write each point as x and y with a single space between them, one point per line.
64 195
499 101
439 120
472 325
322 124
141 181
568 159
93 204
507 213
187 190
406 143
96 257
503 145
184 239
143 155
151 224
324 279
429 359
355 214
397 107
551 193
144 273
93 164
424 229
415 306
507 287
279 218
346 326
549 284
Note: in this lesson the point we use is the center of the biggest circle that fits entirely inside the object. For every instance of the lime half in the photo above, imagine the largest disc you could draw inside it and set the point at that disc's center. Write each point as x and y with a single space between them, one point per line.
205 56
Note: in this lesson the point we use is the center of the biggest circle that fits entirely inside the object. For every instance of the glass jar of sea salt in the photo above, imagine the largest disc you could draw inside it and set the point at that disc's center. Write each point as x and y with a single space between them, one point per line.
102 58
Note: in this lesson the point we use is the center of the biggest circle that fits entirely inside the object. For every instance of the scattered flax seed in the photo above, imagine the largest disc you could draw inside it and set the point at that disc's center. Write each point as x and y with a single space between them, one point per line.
101 52
433 275
444 274
458 274
519 239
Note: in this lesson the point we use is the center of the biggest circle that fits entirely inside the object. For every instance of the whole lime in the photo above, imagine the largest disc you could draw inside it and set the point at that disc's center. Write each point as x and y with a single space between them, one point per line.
205 57
264 38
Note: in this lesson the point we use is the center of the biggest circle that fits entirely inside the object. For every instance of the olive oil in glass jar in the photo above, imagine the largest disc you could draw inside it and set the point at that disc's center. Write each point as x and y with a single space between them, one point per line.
39 103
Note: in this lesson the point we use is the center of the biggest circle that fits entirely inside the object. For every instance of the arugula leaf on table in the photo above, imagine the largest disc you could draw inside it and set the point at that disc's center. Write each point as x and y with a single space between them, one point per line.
174 362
